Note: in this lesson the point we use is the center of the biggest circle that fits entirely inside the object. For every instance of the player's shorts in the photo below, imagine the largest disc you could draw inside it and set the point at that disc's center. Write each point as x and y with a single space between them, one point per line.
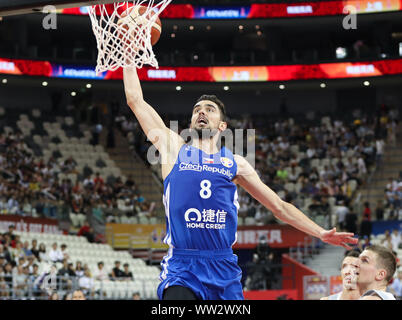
210 274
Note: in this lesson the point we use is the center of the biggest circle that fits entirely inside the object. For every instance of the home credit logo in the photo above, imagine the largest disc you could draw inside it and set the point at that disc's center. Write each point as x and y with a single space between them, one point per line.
277 236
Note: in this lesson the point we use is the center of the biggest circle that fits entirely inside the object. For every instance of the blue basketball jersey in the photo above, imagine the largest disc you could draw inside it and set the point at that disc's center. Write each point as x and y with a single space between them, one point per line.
201 200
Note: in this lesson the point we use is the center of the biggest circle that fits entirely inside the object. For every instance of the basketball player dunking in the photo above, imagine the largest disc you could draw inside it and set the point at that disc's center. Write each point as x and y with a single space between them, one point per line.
200 198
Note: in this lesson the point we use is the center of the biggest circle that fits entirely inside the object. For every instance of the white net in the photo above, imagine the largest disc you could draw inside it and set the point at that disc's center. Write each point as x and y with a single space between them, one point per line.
123 33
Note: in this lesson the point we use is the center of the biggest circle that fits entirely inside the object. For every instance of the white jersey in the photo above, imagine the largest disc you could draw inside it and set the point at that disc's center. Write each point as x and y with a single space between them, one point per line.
336 296
382 294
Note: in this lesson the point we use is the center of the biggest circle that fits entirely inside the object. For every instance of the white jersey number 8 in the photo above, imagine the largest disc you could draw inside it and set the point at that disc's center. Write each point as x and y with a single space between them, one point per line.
205 191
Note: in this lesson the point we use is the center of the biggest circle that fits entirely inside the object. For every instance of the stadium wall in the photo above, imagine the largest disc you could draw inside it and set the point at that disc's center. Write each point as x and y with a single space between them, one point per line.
292 268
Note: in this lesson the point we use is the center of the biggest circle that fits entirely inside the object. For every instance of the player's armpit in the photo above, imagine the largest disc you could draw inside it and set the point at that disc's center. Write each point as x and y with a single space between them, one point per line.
244 168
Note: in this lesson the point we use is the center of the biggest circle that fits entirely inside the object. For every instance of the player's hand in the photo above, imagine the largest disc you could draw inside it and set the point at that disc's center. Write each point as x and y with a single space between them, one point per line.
338 238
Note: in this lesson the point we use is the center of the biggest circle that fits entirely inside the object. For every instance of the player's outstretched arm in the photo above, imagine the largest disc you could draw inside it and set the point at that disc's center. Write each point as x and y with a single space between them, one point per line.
248 178
150 121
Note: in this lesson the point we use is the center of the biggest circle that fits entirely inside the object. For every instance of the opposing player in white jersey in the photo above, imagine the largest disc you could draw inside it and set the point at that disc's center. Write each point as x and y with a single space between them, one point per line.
377 267
349 274
200 263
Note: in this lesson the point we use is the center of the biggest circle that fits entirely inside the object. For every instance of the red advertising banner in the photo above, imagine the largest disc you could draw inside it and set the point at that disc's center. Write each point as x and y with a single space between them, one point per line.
315 287
334 70
269 10
335 284
277 236
29 224
325 8
290 294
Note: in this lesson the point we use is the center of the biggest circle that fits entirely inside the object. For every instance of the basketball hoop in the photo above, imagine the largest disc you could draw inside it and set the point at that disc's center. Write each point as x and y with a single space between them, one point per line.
123 42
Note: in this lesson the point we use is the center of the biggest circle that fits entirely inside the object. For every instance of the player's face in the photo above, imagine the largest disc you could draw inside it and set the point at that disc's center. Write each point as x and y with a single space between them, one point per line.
368 267
350 272
206 115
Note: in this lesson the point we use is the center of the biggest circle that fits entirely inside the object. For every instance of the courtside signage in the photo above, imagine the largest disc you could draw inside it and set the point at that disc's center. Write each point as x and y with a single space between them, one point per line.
335 70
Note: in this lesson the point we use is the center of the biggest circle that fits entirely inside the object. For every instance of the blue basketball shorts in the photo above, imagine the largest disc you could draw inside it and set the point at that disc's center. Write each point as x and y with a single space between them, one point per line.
210 274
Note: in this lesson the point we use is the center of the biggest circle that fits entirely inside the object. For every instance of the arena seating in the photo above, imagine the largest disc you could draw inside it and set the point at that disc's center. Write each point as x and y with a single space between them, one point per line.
79 249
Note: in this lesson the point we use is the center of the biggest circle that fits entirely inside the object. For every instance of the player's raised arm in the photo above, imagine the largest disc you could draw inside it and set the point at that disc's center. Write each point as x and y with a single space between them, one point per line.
248 178
151 123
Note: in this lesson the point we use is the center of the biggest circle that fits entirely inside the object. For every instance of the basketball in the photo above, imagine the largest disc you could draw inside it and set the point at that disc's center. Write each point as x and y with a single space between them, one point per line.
136 16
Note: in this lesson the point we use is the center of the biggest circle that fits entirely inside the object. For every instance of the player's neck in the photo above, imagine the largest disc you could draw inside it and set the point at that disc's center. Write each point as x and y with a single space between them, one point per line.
207 145
372 286
350 295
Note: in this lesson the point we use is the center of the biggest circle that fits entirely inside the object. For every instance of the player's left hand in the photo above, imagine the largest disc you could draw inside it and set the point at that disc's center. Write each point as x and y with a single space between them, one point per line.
338 238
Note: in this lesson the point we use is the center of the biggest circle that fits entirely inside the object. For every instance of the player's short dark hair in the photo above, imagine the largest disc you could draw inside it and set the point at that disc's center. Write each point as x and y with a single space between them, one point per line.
355 253
386 259
219 103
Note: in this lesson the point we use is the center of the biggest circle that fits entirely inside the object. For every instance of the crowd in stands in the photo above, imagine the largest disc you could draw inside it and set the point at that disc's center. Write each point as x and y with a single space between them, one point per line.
30 186
393 199
20 276
306 162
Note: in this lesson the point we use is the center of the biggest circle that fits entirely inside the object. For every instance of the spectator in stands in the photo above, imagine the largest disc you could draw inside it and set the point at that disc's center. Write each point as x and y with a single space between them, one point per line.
30 263
68 296
65 270
97 211
64 252
79 270
86 283
20 282
8 275
3 285
340 212
98 181
379 210
366 227
55 255
116 271
379 145
387 241
13 205
393 212
42 253
365 243
127 274
54 296
87 232
396 239
17 252
34 249
21 262
10 232
4 254
14 242
367 211
78 295
26 249
32 278
136 296
396 286
351 222
100 274
71 270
